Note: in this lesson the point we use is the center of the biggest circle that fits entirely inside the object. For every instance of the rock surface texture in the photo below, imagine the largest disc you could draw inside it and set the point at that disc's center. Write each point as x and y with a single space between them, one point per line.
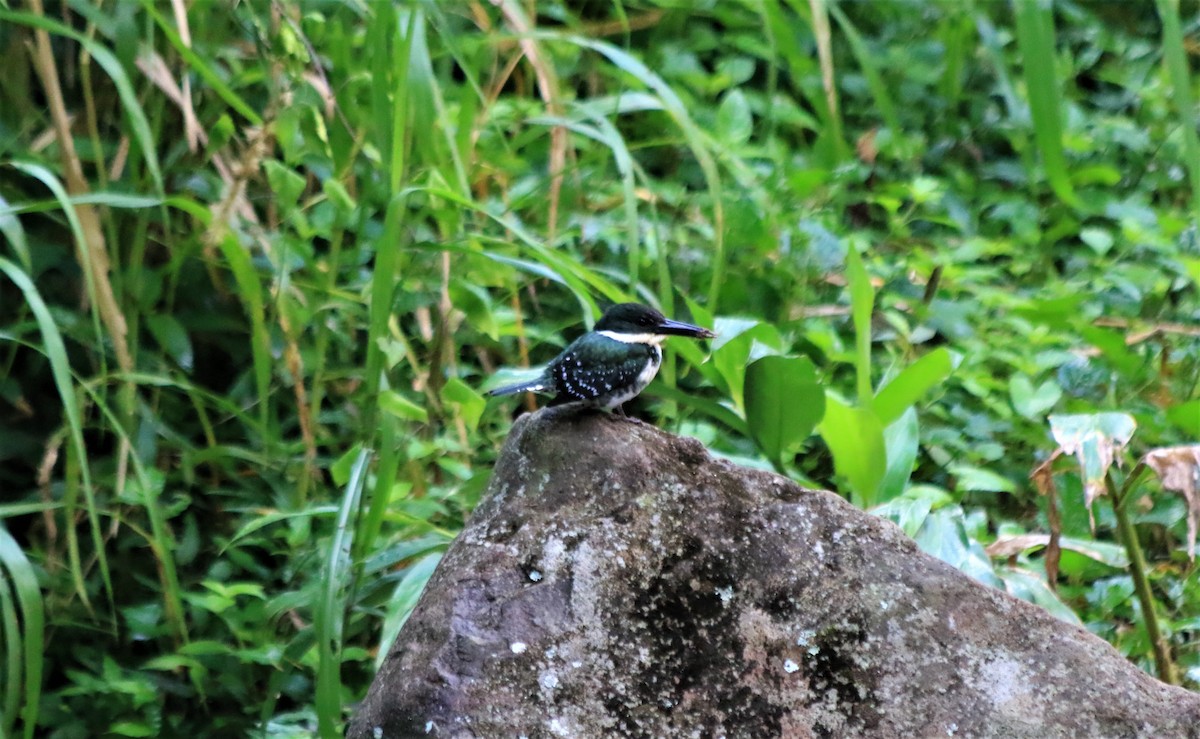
618 581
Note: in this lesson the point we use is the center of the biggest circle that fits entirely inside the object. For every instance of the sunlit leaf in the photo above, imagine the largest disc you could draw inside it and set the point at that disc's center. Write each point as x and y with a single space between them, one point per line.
894 398
855 437
401 407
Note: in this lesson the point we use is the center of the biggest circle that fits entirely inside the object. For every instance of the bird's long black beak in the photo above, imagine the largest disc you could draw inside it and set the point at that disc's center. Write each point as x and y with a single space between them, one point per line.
679 328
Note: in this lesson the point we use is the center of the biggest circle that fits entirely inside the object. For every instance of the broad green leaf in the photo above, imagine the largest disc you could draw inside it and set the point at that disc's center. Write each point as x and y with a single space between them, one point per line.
172 337
340 470
901 438
855 438
972 478
1112 345
944 535
286 184
1112 555
906 511
784 402
911 384
401 407
734 122
1099 239
1032 402
470 403
1187 417
1030 587
740 341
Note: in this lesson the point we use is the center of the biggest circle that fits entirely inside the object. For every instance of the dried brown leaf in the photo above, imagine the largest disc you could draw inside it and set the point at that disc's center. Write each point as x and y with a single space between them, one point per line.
1010 546
1177 468
1043 479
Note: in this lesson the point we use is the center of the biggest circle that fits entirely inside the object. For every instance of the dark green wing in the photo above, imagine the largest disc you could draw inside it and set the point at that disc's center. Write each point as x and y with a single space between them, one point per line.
595 366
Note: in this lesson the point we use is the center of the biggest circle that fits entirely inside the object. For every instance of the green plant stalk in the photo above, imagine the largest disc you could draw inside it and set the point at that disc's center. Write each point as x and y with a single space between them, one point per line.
1141 584
862 301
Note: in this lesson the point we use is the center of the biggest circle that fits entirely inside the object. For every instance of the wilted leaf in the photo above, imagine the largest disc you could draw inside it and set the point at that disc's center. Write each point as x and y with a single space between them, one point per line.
1094 438
1010 546
1177 467
1043 478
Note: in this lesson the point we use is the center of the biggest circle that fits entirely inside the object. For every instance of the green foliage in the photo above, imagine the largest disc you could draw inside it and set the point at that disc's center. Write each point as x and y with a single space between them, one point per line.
248 310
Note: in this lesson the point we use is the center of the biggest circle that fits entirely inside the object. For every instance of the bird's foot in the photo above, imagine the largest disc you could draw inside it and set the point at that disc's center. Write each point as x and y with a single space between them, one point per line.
619 412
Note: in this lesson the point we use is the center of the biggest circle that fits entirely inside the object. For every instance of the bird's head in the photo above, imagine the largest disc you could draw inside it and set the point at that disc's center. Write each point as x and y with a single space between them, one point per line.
635 319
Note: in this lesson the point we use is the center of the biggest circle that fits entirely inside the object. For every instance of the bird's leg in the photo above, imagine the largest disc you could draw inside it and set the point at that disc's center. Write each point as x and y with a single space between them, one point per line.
619 412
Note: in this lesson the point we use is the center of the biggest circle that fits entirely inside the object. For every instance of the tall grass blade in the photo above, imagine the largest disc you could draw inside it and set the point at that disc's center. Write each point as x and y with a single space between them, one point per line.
13 651
693 134
866 61
819 18
603 131
1175 59
862 299
10 226
112 66
330 606
251 294
29 597
1035 38
60 370
202 68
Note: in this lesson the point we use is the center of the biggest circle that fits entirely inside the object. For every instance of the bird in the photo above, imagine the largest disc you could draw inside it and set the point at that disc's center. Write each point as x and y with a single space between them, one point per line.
610 364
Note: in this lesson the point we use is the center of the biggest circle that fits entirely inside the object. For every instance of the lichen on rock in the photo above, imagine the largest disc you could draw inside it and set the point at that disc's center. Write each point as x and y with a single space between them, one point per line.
616 580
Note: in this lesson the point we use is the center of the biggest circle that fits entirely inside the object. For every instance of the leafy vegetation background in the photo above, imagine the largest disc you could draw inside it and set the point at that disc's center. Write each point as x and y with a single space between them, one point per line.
259 259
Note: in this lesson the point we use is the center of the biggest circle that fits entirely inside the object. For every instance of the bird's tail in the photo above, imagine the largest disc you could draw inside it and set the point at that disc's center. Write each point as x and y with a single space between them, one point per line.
537 385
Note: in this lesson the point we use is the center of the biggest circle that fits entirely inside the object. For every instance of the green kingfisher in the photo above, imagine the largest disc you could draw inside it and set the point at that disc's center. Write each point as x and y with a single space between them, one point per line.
612 363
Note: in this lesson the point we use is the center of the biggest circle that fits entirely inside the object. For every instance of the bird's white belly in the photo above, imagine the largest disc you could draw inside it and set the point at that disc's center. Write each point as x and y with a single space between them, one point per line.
608 402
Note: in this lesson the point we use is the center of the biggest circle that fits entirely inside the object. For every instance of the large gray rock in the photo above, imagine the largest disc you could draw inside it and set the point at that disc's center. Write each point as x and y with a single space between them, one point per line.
617 581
